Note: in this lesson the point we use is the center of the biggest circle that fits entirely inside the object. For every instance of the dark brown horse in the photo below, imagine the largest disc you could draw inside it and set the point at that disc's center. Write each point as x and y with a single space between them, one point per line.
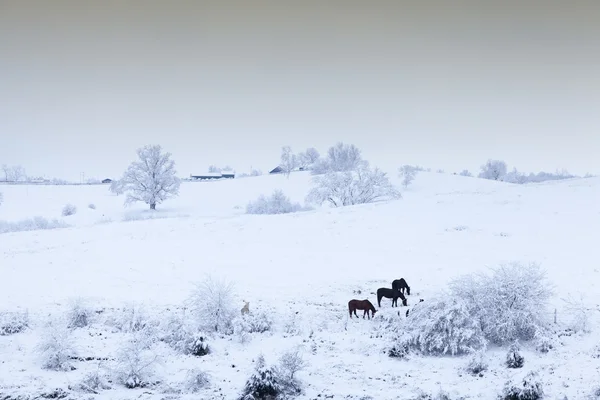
401 285
366 305
390 294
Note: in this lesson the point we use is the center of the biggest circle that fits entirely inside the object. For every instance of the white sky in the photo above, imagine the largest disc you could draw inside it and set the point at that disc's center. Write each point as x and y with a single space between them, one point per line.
81 88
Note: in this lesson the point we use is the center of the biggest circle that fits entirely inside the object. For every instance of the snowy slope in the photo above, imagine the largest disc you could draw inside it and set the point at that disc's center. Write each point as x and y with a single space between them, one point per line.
311 263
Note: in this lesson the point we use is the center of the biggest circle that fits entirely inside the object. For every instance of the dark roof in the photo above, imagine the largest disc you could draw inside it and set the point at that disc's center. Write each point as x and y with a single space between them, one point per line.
276 170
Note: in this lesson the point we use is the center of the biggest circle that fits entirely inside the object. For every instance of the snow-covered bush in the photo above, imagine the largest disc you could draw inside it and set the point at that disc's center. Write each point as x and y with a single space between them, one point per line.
31 224
579 312
477 363
92 206
544 343
57 348
69 209
152 179
493 170
594 394
514 359
196 380
307 159
340 158
13 322
465 172
290 363
277 203
292 324
184 337
93 382
530 388
212 304
136 362
117 187
262 384
442 325
408 174
509 304
79 313
247 324
362 186
134 318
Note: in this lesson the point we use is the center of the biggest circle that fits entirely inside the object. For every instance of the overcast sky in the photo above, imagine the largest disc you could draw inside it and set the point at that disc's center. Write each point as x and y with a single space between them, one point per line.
83 84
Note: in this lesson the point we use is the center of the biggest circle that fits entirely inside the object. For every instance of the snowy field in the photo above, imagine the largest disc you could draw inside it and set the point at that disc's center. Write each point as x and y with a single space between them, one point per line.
301 269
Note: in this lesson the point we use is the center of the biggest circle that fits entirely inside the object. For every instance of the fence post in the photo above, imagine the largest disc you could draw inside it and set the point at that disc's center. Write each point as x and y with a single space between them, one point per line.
555 316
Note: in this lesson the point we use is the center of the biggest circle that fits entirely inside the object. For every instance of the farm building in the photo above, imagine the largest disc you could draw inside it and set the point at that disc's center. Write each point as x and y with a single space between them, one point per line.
107 180
213 175
277 170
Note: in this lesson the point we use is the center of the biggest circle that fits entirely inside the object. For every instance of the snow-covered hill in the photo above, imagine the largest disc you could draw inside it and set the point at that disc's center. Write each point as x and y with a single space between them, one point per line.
309 263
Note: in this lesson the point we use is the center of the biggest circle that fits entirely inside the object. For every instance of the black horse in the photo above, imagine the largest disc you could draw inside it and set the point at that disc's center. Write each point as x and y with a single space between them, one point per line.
401 285
390 294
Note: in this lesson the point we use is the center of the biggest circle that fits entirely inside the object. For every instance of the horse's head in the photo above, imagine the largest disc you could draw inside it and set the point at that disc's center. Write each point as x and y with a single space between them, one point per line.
373 311
408 290
404 302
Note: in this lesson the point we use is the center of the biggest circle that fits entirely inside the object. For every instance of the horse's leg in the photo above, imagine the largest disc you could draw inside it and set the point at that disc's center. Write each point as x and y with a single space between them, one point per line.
356 315
350 311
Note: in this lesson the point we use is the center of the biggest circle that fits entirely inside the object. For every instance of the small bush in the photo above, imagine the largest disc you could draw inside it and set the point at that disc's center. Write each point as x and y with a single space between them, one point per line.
13 322
212 305
186 339
133 318
543 343
477 364
277 203
594 394
251 323
57 348
196 380
408 174
136 363
93 382
69 209
92 206
530 388
262 384
31 224
399 350
79 314
465 172
514 359
292 325
290 363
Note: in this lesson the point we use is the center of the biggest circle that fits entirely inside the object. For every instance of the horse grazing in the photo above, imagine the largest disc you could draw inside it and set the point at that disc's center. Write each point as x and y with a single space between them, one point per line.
401 285
366 305
390 294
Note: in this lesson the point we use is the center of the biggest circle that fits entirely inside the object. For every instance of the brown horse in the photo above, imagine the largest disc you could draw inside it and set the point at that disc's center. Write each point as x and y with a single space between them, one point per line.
366 305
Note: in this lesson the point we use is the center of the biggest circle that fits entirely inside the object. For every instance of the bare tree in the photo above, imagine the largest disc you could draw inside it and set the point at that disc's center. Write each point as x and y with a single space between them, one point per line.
408 174
312 154
289 161
213 169
116 187
18 173
7 172
152 179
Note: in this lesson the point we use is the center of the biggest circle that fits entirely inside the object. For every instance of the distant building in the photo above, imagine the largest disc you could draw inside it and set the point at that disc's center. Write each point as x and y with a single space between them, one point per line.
213 175
107 180
228 175
277 170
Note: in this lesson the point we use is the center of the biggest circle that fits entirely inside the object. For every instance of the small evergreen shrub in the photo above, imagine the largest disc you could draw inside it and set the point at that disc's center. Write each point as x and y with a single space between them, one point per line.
514 359
530 388
13 322
262 384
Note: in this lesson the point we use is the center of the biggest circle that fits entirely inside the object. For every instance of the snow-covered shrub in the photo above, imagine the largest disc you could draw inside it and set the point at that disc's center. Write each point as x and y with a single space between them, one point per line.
92 206
477 363
596 351
152 179
579 312
362 186
133 318
530 388
277 203
93 382
117 187
290 363
292 325
79 313
184 337
262 383
509 304
465 172
442 325
212 304
514 359
69 209
408 174
544 343
399 350
31 224
247 324
594 394
13 322
196 380
494 170
57 348
136 362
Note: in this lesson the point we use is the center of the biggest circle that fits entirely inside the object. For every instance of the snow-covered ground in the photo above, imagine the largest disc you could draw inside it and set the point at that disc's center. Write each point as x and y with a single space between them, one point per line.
305 266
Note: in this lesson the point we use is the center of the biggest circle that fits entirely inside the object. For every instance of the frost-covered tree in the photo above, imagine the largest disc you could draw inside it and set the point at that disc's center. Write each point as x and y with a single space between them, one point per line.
1 198
465 172
312 155
213 169
152 179
408 174
277 203
14 173
212 304
493 170
362 186
289 160
116 187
